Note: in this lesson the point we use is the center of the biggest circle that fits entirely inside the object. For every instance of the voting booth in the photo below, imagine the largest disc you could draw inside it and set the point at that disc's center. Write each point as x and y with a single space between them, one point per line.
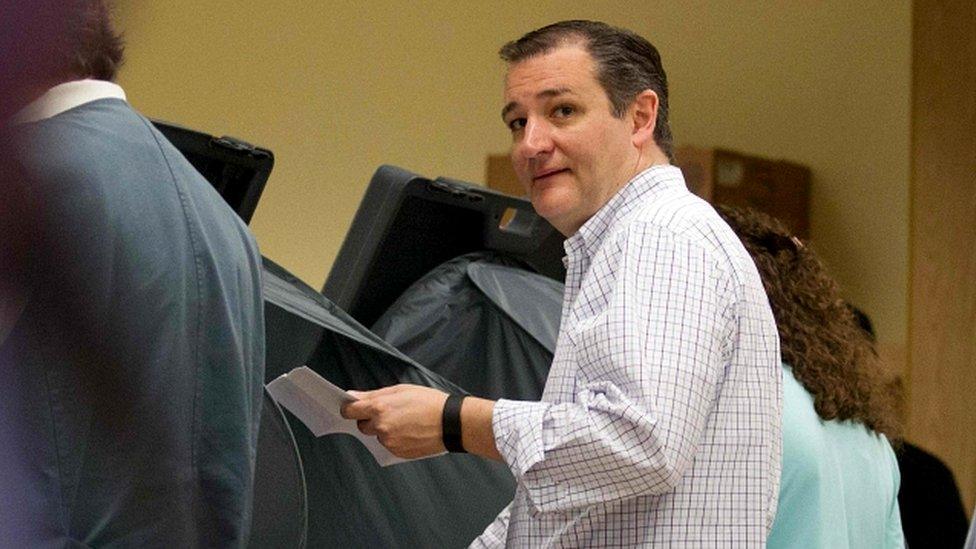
407 225
463 279
439 283
449 285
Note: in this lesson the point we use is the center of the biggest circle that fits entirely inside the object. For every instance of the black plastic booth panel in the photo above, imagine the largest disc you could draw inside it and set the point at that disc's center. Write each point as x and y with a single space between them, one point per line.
237 169
406 225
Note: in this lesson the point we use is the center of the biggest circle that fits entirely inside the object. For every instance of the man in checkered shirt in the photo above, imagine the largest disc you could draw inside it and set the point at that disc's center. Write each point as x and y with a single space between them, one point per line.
660 420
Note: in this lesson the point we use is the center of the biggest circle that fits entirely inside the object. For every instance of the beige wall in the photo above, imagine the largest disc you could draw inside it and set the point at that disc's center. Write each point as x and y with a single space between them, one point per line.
335 89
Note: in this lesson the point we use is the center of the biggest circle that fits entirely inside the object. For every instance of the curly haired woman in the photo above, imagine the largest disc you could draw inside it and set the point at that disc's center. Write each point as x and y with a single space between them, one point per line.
840 480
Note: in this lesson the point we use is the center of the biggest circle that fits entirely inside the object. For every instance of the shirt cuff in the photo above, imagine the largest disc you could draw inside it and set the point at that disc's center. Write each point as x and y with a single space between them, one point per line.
492 538
517 427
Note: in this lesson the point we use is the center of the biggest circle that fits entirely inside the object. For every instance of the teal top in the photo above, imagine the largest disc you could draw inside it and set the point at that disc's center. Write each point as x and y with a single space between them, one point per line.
839 485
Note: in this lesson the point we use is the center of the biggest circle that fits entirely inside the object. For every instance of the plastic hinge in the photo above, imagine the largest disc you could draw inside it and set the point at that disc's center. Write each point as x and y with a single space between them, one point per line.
235 144
455 190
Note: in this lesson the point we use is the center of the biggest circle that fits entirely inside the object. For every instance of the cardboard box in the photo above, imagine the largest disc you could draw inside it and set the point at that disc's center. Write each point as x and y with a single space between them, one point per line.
776 187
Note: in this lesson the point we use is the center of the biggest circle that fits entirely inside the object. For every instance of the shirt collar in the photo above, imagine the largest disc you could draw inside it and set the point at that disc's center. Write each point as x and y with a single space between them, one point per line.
589 236
67 96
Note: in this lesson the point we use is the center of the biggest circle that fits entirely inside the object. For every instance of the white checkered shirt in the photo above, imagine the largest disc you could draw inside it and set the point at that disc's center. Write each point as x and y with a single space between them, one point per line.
660 421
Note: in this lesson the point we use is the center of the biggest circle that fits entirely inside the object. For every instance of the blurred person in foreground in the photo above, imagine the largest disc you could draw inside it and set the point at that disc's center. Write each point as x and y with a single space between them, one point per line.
23 61
134 360
840 478
659 422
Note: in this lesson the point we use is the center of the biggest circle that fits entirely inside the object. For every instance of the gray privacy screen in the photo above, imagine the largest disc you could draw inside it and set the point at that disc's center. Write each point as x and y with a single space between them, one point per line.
482 321
440 502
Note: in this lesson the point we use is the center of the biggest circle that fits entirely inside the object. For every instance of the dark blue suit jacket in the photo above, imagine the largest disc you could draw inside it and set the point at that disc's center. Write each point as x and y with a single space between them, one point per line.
132 381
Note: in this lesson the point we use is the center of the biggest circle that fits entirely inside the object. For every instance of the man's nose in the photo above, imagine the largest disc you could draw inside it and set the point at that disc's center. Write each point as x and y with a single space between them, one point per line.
536 139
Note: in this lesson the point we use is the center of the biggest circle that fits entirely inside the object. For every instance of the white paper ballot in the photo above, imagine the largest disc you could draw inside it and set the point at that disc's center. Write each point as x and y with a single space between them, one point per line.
316 401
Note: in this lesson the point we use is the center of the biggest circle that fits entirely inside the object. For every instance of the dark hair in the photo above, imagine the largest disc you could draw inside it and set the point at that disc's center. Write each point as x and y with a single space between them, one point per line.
864 321
92 48
627 64
829 352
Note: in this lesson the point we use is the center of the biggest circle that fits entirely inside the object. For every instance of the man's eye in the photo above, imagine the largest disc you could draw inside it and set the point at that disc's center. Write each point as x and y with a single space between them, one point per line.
516 124
563 111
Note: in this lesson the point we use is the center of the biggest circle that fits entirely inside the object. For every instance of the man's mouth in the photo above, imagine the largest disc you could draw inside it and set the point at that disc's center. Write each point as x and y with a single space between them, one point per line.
548 173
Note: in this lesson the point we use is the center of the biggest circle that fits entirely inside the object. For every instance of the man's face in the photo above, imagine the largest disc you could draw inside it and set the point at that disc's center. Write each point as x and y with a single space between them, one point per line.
569 151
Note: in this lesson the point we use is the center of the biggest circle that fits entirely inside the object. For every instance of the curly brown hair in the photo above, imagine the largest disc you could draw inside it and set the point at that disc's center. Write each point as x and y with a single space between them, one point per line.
829 352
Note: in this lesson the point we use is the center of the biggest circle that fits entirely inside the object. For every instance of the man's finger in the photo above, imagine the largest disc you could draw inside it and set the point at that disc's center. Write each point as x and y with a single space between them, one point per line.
358 409
366 427
367 395
382 391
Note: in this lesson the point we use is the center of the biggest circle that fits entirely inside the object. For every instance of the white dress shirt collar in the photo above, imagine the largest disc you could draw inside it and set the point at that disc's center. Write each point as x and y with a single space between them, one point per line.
590 235
67 96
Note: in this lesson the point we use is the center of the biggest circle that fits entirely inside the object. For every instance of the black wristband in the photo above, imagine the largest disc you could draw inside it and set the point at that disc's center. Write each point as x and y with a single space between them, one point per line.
451 424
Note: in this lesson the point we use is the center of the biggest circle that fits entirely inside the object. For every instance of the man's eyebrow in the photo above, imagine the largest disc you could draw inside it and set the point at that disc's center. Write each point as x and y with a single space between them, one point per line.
544 94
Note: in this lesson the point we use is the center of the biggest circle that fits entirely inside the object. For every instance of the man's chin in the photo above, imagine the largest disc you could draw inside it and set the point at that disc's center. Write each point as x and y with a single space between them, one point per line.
555 212
546 205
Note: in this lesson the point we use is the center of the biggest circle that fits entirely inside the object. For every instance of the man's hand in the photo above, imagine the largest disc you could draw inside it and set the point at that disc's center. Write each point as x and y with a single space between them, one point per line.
405 418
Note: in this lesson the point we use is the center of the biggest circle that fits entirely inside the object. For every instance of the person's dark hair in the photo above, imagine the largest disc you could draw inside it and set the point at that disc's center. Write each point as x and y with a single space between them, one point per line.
627 64
92 48
820 338
864 321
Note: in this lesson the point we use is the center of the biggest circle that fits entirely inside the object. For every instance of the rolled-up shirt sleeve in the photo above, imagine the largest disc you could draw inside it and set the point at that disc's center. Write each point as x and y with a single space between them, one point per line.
494 536
648 340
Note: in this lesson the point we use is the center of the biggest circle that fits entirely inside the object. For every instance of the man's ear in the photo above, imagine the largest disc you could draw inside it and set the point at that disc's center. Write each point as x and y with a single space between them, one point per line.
643 113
